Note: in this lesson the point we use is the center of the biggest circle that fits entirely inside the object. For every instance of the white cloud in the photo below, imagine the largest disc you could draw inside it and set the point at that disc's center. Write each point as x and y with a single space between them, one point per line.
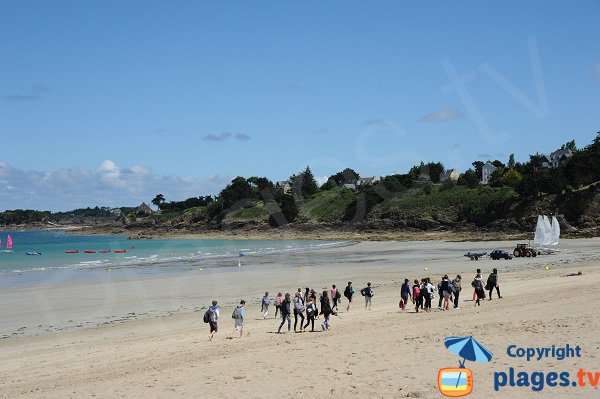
109 185
441 115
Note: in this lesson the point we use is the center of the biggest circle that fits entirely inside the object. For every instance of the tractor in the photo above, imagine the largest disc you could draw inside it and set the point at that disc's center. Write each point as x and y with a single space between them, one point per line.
523 250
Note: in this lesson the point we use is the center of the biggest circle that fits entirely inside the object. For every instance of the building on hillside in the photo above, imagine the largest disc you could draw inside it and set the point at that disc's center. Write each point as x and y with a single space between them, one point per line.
366 181
116 212
555 159
284 187
450 174
486 172
144 209
349 186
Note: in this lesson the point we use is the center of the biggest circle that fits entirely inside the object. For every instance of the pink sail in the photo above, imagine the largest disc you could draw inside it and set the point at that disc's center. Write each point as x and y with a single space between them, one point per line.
9 242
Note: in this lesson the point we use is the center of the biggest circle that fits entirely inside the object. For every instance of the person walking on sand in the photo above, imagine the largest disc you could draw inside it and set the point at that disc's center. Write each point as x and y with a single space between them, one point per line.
298 311
348 293
311 312
492 282
326 310
445 292
213 317
336 295
475 292
238 317
405 294
479 291
417 295
429 290
306 295
456 290
266 301
278 301
285 312
367 292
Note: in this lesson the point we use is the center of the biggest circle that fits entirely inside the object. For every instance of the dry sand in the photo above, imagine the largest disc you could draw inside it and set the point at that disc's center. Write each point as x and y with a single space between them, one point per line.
144 336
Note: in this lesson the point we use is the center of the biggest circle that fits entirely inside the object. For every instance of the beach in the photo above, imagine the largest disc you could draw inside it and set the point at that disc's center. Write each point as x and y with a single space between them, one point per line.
134 335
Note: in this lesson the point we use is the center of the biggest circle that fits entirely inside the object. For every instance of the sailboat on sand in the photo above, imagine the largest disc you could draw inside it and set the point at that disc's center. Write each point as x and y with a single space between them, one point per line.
547 235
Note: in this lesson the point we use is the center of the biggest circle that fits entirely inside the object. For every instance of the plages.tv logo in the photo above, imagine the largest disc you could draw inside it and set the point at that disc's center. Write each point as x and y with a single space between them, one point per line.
458 381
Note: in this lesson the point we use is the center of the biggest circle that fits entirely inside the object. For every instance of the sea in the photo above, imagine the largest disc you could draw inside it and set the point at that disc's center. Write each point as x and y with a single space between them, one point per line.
147 257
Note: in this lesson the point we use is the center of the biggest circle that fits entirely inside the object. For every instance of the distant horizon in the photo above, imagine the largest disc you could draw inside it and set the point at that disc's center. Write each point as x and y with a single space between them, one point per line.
112 103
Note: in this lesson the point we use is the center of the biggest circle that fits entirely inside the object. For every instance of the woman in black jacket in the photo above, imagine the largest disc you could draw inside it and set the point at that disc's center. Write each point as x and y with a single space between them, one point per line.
285 312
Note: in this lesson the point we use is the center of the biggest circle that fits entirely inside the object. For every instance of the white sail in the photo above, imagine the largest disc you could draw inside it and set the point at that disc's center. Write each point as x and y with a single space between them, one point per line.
555 231
547 231
538 239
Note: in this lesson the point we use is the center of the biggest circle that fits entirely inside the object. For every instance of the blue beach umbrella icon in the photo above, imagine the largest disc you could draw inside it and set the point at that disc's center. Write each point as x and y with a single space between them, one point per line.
469 349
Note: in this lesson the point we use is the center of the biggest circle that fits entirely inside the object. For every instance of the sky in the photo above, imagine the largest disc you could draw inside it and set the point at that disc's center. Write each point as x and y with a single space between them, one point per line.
110 103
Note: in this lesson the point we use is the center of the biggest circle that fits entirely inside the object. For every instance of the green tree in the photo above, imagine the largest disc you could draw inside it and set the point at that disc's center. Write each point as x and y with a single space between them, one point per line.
159 200
288 211
511 161
304 183
330 184
478 165
239 189
469 179
569 145
435 169
512 178
346 176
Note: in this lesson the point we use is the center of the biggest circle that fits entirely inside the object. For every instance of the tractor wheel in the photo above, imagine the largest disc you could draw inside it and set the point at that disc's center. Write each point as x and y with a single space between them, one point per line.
534 254
528 254
516 253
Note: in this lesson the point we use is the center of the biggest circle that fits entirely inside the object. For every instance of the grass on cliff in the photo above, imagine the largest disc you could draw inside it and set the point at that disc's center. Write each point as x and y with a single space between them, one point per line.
326 206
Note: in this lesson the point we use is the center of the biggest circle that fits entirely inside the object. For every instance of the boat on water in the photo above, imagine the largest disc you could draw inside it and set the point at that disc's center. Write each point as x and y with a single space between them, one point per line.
9 245
104 251
72 251
33 253
90 251
119 251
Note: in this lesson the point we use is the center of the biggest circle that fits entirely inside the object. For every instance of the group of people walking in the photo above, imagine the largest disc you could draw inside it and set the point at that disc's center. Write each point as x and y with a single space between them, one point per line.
303 306
422 292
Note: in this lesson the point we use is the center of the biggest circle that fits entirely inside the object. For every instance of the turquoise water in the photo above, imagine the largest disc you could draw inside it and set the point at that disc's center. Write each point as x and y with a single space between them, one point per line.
146 256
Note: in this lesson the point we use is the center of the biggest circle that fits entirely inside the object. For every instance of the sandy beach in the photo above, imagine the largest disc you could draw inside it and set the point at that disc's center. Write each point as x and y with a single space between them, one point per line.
144 336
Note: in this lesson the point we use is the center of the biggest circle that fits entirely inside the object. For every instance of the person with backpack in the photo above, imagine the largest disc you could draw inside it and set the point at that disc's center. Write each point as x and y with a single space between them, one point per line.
211 317
298 311
456 290
277 302
492 282
285 312
311 312
405 294
417 297
238 317
264 308
348 293
367 292
479 291
445 292
428 289
326 310
336 295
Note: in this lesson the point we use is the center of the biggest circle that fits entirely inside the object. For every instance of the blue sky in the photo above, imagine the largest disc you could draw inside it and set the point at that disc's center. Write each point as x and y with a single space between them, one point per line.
110 103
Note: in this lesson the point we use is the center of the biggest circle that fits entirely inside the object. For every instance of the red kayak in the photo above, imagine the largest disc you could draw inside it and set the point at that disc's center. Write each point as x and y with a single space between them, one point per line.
72 251
90 251
119 251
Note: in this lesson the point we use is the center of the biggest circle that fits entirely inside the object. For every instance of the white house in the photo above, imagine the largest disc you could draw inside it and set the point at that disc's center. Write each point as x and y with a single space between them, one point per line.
556 158
366 181
486 172
450 174
284 187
